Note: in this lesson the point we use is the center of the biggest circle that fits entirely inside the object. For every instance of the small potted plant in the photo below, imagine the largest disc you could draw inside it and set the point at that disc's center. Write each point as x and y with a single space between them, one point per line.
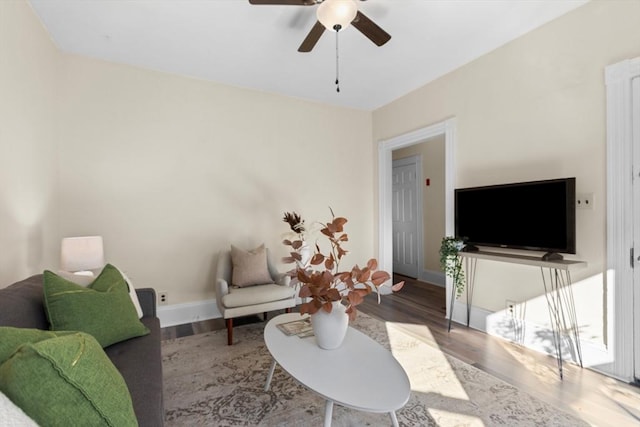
451 262
325 285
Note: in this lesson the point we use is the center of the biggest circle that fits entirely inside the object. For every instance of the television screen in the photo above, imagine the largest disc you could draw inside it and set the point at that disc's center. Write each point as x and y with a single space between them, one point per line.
537 215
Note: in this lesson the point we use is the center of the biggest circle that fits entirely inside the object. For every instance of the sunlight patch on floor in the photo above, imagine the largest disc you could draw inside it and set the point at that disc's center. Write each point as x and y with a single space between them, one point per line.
464 420
421 332
623 395
547 374
415 363
594 387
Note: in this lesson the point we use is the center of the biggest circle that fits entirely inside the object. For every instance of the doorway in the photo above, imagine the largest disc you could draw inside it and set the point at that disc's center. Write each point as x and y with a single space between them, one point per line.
385 187
405 176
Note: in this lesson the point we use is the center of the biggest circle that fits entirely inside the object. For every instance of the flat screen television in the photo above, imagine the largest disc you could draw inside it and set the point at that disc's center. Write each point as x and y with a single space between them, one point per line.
535 215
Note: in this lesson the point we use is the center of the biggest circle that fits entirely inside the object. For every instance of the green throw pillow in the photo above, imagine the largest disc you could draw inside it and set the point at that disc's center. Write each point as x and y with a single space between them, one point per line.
102 309
11 339
67 380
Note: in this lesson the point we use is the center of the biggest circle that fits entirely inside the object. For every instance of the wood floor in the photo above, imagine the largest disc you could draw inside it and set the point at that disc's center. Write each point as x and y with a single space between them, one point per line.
420 309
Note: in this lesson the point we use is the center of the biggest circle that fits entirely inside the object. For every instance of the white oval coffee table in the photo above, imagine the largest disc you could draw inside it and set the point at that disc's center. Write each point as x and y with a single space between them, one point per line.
361 374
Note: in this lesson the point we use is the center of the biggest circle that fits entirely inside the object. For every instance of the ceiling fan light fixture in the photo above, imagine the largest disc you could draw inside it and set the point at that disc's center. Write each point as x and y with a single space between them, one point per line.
337 14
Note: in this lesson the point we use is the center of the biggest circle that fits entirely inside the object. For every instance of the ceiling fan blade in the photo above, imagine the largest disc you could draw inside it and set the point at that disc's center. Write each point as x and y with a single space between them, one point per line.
285 2
370 29
312 38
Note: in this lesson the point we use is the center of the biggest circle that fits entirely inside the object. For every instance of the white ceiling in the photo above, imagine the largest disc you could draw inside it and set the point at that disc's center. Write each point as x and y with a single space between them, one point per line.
233 42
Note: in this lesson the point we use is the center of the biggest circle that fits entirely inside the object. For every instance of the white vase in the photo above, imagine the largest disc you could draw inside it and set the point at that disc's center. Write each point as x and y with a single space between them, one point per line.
330 328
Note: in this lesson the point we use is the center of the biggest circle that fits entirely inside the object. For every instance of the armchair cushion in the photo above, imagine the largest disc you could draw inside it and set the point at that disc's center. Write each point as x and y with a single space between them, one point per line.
250 267
241 297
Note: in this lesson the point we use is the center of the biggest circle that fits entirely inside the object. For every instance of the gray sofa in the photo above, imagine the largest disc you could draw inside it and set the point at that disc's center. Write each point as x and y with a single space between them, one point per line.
139 359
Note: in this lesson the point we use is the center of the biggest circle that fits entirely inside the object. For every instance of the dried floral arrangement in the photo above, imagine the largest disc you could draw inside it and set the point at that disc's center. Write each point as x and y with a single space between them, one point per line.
322 280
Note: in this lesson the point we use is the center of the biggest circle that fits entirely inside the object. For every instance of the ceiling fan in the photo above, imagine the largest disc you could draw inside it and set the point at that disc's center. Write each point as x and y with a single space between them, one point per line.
334 15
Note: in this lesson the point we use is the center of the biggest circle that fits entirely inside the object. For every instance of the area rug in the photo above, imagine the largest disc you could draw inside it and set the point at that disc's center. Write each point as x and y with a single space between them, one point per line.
208 383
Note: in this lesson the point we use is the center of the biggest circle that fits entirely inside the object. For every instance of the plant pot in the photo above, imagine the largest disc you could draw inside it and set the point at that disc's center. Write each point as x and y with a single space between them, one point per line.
330 328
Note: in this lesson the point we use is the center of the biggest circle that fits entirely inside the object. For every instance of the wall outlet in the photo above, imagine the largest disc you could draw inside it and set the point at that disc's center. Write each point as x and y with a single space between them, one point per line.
584 201
163 298
510 308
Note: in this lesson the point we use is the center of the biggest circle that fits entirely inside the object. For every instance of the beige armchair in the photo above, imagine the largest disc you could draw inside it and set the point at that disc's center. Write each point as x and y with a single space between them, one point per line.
247 282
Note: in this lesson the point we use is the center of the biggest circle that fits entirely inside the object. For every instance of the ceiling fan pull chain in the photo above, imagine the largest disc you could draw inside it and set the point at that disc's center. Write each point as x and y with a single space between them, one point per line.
337 28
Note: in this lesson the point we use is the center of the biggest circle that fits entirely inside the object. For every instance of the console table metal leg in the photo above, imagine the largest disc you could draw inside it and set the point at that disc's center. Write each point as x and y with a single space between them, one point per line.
328 413
453 299
561 305
270 375
553 303
566 292
394 419
470 280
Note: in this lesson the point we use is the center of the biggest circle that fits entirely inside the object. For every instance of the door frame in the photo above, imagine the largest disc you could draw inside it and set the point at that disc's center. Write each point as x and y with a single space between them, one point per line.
619 274
417 161
635 108
385 214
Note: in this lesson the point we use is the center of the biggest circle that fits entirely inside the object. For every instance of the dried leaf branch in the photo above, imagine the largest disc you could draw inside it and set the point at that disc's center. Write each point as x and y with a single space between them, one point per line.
323 282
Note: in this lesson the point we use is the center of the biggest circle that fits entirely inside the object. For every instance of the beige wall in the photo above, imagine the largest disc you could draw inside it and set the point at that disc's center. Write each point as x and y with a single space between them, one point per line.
534 109
433 216
170 170
28 187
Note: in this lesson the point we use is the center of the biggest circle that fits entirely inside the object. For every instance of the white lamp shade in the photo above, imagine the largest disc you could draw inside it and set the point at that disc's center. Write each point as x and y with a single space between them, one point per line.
337 12
81 253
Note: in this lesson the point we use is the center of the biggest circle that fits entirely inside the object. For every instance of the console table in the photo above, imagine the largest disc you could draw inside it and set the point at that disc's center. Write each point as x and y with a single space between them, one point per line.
556 279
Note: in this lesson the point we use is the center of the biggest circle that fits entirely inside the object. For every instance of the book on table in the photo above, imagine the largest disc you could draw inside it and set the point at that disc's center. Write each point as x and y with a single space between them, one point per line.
302 328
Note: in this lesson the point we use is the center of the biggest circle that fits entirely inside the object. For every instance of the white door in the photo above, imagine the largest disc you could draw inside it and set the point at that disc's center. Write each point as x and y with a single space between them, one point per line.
405 217
635 84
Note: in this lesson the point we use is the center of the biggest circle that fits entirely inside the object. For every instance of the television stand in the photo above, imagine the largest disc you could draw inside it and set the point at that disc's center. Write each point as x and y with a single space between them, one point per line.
556 279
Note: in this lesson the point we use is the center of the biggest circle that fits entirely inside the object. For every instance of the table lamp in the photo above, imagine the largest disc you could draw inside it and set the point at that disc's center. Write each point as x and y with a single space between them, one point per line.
80 255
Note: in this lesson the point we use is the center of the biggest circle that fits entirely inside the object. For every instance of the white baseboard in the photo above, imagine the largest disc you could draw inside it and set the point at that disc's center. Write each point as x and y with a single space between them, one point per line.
180 314
530 335
433 277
